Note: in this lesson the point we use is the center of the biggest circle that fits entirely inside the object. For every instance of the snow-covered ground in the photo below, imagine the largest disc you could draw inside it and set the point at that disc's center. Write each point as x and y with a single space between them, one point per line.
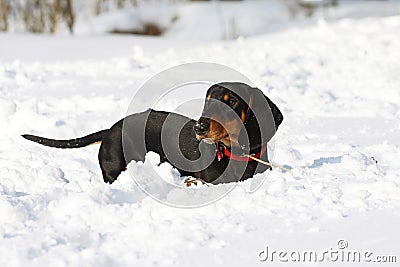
216 20
336 83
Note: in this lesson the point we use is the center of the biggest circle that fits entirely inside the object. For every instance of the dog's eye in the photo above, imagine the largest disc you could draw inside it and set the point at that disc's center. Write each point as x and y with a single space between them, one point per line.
232 101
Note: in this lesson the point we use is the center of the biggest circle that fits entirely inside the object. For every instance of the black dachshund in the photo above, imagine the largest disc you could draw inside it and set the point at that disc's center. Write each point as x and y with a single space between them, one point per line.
237 119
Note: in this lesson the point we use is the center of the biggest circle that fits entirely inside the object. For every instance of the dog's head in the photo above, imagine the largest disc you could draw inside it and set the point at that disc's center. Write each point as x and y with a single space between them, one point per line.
233 110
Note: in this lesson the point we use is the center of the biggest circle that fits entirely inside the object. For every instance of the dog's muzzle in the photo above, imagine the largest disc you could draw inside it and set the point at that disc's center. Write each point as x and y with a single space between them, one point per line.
202 126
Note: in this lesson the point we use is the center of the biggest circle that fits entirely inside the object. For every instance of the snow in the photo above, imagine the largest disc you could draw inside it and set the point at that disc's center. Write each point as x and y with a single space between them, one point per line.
336 83
228 20
161 13
188 20
216 20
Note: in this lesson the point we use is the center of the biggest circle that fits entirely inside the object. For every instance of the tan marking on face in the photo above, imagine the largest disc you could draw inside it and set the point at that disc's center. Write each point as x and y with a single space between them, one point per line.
216 131
228 142
233 129
209 97
243 116
226 97
228 134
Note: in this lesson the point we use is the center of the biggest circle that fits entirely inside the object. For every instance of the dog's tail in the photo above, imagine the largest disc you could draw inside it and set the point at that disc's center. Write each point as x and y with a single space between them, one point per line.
72 143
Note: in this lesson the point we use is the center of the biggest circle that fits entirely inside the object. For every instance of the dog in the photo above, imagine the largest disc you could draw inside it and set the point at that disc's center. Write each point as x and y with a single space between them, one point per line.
237 119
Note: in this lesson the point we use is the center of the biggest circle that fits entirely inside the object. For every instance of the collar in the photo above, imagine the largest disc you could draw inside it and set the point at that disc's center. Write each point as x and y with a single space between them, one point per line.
222 150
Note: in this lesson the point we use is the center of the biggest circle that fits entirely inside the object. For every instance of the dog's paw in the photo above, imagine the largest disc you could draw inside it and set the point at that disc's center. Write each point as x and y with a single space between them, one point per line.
191 180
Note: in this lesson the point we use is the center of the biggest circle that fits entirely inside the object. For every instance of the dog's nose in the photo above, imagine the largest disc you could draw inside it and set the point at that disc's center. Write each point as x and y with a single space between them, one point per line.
202 126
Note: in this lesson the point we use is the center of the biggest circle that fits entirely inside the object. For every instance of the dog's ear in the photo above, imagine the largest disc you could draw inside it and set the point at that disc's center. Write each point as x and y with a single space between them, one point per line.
265 116
276 113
